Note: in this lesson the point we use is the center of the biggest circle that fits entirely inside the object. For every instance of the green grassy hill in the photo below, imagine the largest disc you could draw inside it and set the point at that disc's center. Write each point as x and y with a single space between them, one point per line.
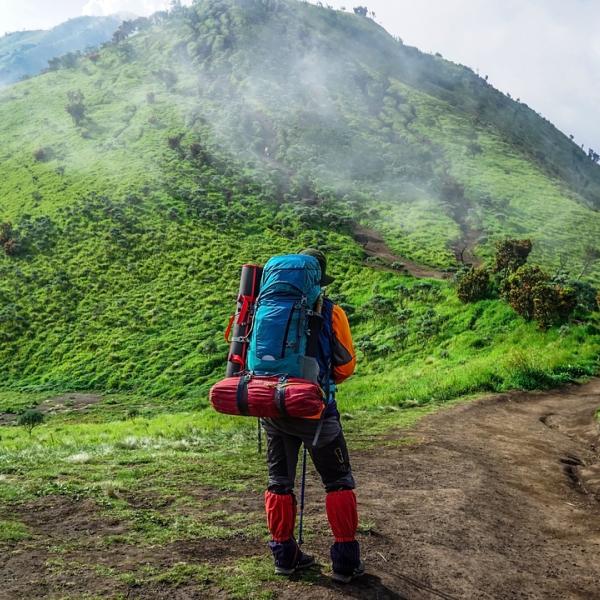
26 53
139 179
135 182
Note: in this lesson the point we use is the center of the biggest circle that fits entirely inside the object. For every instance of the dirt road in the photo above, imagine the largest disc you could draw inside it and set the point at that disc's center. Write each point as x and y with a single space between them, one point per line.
499 499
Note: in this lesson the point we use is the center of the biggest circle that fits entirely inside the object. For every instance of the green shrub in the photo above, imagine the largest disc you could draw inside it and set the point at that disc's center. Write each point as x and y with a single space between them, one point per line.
586 295
9 239
553 304
519 289
511 254
533 295
474 285
41 154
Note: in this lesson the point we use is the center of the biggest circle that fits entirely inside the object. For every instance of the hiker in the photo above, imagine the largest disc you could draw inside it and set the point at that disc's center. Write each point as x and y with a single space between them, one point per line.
329 454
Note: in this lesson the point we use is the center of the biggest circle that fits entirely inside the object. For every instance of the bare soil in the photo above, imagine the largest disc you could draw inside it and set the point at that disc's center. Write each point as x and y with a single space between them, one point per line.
494 499
75 402
499 499
374 246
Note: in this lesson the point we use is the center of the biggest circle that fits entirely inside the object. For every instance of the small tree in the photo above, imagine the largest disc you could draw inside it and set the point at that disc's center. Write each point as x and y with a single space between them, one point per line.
6 232
174 141
591 255
30 419
361 11
75 106
168 77
41 154
533 295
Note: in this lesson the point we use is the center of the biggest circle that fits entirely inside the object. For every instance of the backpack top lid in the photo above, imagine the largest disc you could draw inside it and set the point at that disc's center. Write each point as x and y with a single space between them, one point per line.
292 274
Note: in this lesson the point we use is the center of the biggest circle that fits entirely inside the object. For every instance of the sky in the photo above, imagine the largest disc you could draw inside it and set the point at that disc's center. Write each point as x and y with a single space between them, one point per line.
545 52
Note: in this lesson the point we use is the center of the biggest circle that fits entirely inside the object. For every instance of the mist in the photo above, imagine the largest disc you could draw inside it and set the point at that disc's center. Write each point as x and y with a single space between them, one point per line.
546 52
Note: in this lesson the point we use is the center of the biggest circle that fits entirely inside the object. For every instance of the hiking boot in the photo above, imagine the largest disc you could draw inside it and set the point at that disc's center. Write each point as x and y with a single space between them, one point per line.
346 563
304 562
347 577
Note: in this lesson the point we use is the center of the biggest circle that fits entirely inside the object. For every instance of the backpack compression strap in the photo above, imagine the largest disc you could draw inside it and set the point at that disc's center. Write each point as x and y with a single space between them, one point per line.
280 397
242 395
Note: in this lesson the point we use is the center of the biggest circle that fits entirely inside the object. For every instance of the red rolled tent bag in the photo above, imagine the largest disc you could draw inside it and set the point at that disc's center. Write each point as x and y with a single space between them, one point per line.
268 397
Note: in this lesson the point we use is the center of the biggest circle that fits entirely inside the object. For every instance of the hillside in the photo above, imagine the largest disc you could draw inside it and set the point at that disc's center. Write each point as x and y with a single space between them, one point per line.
26 53
135 181
139 179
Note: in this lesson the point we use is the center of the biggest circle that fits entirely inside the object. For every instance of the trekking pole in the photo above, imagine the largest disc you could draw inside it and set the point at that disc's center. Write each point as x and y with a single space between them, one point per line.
302 489
259 436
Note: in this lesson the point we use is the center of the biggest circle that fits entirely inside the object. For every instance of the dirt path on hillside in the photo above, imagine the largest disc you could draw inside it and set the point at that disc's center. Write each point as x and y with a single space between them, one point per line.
374 246
499 499
494 499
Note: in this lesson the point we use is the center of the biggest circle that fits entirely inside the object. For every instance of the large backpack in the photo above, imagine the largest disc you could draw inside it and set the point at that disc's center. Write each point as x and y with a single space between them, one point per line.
279 342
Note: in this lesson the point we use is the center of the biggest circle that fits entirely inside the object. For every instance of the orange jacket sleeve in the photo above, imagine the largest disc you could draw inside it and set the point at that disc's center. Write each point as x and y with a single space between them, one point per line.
344 358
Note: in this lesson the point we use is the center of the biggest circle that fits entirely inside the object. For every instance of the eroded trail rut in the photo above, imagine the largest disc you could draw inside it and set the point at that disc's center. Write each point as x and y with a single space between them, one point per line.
499 498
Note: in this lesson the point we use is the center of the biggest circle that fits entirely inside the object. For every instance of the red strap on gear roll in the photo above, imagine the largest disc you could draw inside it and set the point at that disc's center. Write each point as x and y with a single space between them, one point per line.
281 515
228 330
243 314
237 359
342 514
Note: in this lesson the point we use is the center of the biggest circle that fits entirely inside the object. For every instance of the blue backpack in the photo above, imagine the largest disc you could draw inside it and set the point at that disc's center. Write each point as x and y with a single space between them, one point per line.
289 290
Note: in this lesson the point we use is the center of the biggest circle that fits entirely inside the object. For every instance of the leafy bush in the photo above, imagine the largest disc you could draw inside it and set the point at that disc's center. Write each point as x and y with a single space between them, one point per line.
534 296
9 239
474 285
586 295
511 254
41 154
381 305
519 289
175 141
553 304
168 77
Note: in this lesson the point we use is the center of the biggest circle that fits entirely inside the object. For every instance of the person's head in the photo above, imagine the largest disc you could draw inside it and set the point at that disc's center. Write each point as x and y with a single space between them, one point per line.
325 279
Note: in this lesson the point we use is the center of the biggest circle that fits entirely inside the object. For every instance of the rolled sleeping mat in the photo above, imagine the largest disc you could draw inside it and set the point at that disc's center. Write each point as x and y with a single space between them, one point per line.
240 324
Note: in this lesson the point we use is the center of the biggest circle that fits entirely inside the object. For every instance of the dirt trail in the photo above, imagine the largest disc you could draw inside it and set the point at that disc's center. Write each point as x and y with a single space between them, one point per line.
374 246
499 499
494 499
67 402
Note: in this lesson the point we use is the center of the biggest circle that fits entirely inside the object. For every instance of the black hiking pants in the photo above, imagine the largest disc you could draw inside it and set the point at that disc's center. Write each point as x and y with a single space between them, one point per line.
330 456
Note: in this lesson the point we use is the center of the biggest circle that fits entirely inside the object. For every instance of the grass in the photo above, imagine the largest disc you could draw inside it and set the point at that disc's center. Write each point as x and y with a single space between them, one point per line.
13 531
